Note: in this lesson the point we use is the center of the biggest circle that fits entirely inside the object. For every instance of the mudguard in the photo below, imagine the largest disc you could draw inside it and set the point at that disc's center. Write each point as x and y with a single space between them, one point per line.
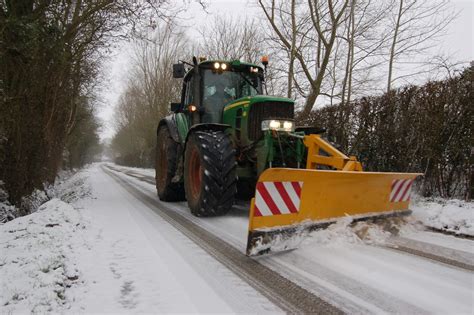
207 126
177 126
170 122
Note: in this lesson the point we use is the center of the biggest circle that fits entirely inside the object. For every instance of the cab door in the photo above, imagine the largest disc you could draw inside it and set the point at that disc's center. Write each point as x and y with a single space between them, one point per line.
191 106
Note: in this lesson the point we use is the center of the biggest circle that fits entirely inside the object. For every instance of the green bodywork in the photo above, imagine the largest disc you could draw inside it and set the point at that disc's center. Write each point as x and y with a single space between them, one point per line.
271 149
241 108
182 123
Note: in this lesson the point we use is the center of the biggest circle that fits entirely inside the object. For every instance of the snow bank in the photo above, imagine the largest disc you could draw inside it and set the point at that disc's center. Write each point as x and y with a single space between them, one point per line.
38 251
345 231
69 187
36 263
453 215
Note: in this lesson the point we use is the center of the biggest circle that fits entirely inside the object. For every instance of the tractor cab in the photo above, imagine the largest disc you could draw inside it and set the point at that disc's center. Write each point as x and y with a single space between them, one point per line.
211 85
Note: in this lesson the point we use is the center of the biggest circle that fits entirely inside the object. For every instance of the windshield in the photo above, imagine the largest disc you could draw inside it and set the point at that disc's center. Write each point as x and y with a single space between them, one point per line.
222 88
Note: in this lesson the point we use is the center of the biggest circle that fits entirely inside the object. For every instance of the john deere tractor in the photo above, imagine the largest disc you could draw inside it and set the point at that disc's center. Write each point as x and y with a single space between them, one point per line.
226 136
222 135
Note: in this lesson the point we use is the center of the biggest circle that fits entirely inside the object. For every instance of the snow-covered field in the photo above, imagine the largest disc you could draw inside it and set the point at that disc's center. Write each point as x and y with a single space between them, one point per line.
94 247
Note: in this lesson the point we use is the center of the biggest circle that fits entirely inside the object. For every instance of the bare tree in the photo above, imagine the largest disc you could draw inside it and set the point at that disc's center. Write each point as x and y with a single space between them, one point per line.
148 93
232 38
291 72
415 28
324 23
50 57
337 49
226 37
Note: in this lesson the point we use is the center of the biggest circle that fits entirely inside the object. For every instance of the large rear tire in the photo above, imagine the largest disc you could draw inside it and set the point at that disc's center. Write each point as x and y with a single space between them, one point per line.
166 165
209 173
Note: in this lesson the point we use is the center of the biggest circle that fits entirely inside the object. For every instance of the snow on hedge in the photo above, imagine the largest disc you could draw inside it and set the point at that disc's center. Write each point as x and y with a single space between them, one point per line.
7 211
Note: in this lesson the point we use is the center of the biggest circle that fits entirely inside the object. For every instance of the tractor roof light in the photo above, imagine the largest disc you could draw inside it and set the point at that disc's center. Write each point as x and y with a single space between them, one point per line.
220 66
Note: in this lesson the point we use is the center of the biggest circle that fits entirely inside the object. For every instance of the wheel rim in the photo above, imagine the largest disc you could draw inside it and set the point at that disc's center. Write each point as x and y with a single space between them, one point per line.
162 166
195 174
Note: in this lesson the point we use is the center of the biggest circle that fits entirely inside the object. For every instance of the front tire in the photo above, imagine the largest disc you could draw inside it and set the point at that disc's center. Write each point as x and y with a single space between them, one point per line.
209 173
166 166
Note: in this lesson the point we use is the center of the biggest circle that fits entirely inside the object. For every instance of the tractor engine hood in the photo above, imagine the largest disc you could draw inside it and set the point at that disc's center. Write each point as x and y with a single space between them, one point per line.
247 113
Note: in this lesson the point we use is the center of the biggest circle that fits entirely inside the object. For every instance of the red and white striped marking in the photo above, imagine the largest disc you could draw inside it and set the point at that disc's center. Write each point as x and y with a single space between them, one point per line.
401 190
273 198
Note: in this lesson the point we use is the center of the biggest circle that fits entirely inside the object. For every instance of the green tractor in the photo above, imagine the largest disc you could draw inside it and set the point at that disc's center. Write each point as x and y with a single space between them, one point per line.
227 138
222 135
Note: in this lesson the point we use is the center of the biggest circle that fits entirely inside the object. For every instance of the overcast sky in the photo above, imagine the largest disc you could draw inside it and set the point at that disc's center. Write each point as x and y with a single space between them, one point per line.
459 42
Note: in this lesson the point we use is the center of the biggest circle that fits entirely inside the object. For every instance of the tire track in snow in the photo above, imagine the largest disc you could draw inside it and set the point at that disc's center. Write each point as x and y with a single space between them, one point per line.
337 291
452 233
287 295
450 257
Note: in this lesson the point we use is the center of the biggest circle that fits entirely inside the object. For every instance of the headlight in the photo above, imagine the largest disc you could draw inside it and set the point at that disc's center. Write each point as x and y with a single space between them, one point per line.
288 125
274 124
223 66
217 65
279 125
270 124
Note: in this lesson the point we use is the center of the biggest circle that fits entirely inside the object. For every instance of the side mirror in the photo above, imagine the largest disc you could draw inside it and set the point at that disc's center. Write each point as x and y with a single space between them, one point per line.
178 70
175 107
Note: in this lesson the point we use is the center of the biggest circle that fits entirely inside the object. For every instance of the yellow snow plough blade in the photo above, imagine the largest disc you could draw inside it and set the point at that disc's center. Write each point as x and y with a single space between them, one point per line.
289 202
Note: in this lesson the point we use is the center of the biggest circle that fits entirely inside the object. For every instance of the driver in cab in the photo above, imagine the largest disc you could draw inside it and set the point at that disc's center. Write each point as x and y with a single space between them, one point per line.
217 101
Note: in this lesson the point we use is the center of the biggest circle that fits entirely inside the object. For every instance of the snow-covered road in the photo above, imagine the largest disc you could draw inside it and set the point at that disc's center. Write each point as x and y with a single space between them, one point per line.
142 264
354 276
118 254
